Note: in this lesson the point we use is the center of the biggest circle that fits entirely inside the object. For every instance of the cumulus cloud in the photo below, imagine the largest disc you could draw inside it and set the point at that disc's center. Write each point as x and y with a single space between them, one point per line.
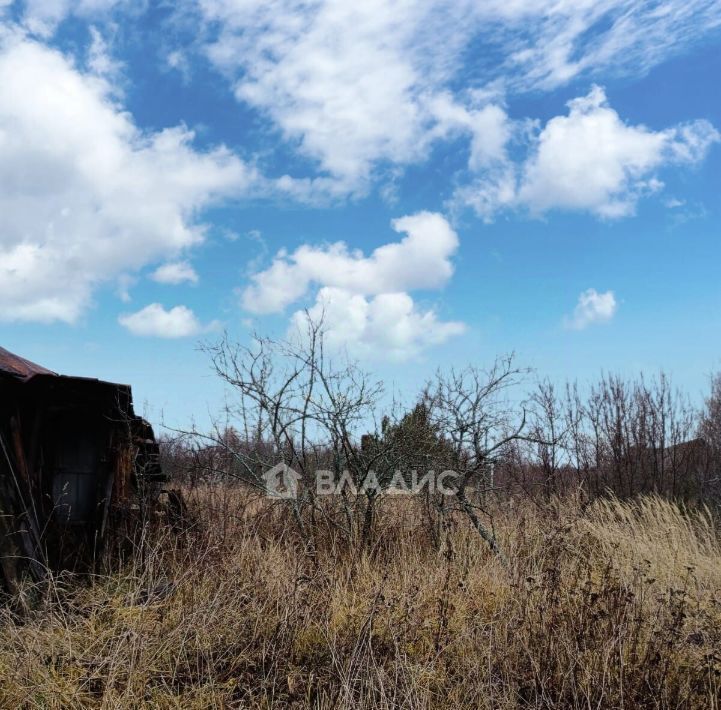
363 301
155 321
421 260
388 326
86 195
590 160
361 86
176 272
363 89
592 307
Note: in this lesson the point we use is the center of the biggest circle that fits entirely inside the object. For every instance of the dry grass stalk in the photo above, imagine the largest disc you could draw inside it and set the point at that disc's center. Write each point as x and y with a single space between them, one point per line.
617 605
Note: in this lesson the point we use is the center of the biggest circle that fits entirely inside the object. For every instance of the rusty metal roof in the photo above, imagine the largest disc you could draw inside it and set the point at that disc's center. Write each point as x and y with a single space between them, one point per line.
19 367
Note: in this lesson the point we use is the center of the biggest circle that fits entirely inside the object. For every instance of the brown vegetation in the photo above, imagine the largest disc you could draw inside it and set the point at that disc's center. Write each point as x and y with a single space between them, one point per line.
575 563
611 604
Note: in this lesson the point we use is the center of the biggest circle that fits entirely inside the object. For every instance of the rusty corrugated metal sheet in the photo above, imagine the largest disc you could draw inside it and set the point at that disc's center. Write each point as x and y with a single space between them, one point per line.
19 367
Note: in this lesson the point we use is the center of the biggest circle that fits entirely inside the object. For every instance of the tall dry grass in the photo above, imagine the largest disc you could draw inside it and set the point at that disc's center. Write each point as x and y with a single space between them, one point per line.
613 605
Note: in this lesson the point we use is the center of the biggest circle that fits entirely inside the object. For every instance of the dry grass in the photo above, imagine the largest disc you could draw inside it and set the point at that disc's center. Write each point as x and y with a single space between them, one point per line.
618 605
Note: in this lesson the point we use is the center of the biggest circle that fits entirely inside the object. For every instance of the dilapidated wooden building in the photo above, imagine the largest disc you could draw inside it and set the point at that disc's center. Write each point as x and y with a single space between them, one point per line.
74 460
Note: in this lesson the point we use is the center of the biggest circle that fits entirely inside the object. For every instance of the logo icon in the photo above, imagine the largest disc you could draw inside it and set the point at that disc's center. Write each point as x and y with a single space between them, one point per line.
281 481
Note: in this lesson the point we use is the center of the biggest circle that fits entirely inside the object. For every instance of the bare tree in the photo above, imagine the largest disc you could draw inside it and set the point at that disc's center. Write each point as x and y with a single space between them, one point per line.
710 427
291 403
545 455
474 410
710 435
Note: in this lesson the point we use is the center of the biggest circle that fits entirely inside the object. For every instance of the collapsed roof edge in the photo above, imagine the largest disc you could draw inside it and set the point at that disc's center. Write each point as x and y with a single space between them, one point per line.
20 368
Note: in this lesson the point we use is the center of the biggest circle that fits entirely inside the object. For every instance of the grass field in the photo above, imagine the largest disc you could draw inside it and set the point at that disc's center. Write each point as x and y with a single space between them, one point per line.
610 605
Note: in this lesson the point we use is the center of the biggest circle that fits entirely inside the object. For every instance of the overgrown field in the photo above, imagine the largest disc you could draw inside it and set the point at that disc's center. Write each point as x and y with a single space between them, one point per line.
607 605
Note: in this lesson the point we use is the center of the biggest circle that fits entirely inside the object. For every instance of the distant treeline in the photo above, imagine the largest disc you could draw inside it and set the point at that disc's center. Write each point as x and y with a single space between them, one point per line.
619 436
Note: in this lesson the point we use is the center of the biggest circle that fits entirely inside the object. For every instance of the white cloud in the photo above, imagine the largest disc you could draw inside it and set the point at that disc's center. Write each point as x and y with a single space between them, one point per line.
592 160
353 85
388 326
42 17
175 272
491 131
553 43
494 190
85 195
100 60
592 307
155 321
363 300
588 160
363 87
421 260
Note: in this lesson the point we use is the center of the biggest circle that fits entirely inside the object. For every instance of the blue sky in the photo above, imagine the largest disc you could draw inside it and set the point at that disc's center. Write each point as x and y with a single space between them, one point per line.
444 181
